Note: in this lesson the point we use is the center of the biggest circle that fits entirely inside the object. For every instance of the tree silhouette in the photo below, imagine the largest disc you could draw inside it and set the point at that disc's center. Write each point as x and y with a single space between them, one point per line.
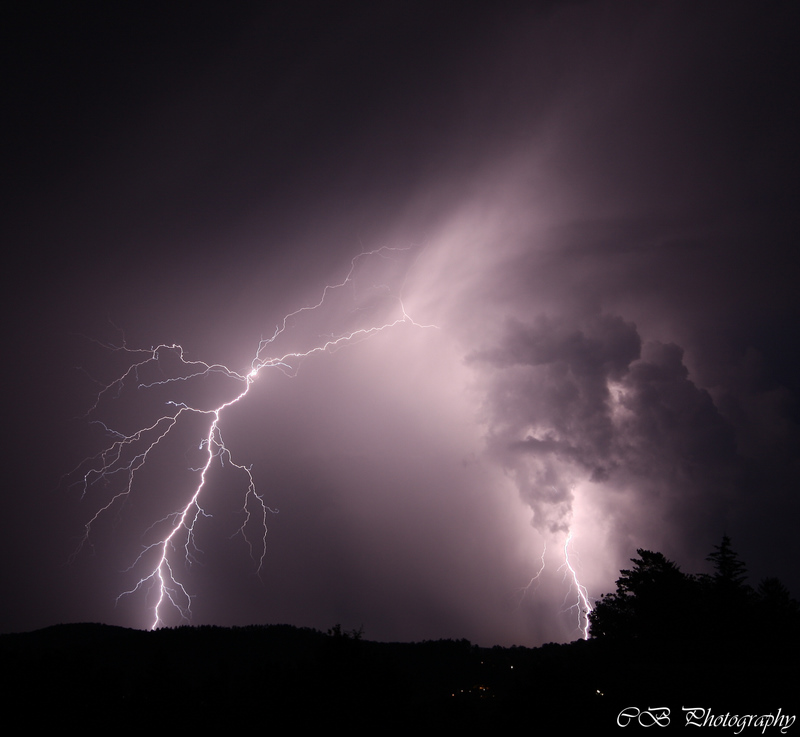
729 571
655 602
777 613
727 602
774 595
648 604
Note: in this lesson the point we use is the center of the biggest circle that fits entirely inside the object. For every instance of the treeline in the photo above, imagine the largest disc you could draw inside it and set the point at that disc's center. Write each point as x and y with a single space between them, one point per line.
663 638
656 602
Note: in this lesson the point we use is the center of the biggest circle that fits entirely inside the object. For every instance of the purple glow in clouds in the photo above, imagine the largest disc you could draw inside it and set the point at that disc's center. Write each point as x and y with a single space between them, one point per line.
595 205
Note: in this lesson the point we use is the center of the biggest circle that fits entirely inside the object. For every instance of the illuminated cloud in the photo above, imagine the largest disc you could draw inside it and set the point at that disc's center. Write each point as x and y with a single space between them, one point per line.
599 200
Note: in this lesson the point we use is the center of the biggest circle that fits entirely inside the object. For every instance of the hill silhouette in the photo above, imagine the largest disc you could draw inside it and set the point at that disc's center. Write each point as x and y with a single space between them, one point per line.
663 638
283 675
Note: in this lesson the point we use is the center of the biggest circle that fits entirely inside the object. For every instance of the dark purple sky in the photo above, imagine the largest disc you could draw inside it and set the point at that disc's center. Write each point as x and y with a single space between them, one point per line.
600 206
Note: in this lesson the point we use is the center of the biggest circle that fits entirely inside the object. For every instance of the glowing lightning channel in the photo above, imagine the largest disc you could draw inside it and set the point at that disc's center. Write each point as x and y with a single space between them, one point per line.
524 590
583 605
128 453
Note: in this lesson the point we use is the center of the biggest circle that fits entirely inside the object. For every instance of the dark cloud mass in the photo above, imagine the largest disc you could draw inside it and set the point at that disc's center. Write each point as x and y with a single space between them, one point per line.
591 407
551 407
596 204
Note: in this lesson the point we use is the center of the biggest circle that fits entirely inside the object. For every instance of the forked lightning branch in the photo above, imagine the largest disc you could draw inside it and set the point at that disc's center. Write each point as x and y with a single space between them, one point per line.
157 568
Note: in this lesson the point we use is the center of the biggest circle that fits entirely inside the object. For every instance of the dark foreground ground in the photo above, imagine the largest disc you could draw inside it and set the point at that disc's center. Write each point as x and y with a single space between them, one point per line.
98 676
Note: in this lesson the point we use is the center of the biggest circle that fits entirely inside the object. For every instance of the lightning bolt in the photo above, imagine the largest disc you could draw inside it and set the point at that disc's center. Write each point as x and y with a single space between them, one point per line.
122 462
582 604
535 578
576 597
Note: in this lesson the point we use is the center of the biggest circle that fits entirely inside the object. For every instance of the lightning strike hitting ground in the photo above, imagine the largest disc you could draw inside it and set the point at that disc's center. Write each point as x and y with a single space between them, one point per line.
582 604
127 455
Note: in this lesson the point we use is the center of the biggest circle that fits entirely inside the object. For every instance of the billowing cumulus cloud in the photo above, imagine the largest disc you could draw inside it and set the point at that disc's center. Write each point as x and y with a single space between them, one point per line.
584 402
550 406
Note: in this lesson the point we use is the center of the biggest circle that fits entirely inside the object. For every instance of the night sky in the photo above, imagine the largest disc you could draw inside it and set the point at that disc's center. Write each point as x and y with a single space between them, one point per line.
594 203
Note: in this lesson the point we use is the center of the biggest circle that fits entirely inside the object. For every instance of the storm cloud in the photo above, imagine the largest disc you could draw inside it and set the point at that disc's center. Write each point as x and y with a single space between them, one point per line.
593 211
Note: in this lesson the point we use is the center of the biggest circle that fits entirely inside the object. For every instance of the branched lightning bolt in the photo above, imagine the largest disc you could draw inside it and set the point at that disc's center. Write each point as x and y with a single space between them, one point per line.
582 603
535 578
577 596
127 455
